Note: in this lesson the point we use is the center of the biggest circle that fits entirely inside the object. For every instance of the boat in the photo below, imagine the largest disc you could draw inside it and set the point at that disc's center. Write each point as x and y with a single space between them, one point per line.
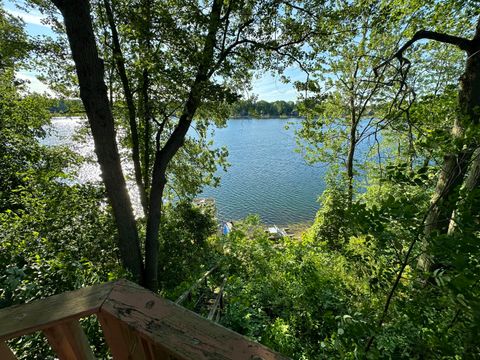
227 227
274 232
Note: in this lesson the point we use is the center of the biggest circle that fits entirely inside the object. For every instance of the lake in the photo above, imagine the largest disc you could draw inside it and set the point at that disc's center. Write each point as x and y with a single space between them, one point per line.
266 177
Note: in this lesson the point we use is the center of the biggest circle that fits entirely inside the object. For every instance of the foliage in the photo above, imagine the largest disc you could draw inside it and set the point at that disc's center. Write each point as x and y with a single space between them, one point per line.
13 40
185 232
329 227
321 297
55 236
59 241
290 296
264 109
66 106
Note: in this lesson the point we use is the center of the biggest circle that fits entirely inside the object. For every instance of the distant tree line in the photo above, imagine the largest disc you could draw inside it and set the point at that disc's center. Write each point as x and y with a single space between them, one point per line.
65 106
241 108
253 108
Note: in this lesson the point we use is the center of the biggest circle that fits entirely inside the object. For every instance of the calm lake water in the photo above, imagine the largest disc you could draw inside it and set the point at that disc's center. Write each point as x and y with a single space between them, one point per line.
266 177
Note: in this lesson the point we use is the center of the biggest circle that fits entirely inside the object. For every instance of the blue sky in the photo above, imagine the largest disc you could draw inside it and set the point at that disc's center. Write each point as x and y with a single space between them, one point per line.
33 24
265 86
270 88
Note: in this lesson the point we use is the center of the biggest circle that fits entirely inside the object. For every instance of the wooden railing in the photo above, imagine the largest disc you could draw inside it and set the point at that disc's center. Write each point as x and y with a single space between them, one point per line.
195 285
136 324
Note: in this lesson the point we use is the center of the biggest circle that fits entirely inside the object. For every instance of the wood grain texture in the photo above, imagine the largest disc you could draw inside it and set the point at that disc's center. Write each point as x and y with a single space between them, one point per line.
69 342
39 314
181 333
137 325
123 341
5 352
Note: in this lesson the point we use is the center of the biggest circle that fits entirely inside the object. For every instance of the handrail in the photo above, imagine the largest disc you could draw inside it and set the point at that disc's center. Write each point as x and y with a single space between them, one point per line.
136 323
184 296
24 319
218 302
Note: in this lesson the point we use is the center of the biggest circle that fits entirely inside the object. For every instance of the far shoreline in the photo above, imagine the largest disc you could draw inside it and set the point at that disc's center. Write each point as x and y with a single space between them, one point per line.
269 117
265 117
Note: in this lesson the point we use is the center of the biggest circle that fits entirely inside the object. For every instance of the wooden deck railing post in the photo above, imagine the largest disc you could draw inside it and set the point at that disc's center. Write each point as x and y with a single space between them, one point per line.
68 341
123 343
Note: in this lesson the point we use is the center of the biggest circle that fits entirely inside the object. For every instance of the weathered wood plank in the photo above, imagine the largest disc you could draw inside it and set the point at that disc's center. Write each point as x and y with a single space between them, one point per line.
182 333
5 352
69 342
39 314
124 343
182 297
156 352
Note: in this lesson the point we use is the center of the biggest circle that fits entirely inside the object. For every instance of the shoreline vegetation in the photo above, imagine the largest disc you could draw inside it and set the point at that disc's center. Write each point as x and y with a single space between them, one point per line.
242 109
298 228
265 117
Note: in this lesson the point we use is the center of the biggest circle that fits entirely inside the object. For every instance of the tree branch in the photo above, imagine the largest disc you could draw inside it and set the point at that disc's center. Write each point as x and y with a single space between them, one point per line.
299 8
460 42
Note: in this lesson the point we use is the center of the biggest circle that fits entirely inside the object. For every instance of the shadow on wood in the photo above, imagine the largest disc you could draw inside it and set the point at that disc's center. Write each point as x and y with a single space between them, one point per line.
137 324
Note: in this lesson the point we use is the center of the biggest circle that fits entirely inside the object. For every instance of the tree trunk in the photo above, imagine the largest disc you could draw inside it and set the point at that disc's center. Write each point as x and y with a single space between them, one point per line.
456 165
159 180
144 96
350 159
127 91
446 192
173 144
471 183
90 72
147 134
351 150
473 179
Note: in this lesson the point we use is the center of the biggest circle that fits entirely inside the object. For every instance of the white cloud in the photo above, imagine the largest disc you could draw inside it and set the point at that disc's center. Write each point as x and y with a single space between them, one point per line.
270 88
29 18
33 84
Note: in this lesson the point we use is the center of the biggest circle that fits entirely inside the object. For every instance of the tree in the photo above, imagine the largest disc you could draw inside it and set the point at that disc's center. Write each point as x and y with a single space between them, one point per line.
227 42
53 233
457 161
94 96
342 90
436 218
13 41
